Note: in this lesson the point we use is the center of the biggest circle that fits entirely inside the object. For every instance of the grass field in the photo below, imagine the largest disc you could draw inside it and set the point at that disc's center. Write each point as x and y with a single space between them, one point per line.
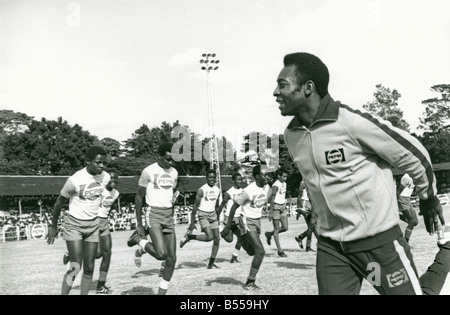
34 268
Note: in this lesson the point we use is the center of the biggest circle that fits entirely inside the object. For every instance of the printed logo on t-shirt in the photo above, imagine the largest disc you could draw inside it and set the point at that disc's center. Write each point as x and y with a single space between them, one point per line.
258 201
91 191
107 202
210 195
164 181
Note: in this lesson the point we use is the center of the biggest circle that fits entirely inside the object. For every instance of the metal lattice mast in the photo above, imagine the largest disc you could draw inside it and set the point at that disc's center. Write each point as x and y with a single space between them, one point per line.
210 64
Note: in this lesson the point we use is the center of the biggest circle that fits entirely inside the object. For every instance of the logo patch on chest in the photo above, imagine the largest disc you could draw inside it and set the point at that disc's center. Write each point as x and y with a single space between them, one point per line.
335 156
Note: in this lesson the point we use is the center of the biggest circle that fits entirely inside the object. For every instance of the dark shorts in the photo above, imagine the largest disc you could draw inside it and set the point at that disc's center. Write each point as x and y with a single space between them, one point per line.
161 218
81 230
208 219
389 267
248 224
104 226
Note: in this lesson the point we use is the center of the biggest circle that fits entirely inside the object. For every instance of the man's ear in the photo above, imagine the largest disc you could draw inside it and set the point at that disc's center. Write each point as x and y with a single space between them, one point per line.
310 87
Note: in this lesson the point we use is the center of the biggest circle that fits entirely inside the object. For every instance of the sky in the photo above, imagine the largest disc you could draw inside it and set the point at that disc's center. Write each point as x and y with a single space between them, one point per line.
113 65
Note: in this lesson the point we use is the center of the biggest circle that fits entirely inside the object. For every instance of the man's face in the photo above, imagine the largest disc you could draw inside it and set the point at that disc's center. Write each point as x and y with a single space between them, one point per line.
261 178
283 177
166 160
288 94
238 181
97 165
211 179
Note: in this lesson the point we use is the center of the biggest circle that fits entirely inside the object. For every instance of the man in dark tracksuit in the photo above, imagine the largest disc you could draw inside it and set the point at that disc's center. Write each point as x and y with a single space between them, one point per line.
346 157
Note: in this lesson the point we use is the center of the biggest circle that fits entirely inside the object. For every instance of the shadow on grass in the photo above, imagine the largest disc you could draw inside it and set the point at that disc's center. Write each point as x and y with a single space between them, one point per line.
291 265
143 273
190 264
294 250
217 260
139 291
224 280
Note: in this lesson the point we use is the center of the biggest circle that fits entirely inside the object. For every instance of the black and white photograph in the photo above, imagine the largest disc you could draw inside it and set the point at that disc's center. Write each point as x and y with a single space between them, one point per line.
230 154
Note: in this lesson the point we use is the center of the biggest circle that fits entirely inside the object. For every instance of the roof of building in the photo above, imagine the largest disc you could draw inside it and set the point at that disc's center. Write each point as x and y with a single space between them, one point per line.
11 185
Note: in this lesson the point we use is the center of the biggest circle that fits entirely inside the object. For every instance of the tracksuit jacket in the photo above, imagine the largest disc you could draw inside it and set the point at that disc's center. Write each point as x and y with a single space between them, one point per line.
346 158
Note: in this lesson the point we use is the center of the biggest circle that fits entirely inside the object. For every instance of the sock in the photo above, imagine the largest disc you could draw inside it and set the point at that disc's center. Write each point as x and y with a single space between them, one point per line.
102 276
236 254
85 284
163 286
65 289
211 261
308 243
142 244
252 275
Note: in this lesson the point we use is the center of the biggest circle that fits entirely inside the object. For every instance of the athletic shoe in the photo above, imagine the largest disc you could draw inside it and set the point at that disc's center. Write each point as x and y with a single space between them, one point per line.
250 286
134 239
299 241
268 237
138 258
162 291
282 254
444 234
103 290
183 241
234 259
213 266
161 270
66 258
309 249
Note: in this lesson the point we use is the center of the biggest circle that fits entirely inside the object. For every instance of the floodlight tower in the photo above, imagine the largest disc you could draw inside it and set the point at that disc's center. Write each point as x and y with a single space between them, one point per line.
209 63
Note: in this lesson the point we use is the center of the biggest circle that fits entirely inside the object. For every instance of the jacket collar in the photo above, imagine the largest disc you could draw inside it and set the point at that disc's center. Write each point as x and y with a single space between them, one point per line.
328 110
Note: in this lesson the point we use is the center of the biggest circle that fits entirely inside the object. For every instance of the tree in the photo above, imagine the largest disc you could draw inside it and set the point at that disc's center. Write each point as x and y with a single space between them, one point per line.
130 166
385 105
436 123
11 123
437 145
437 111
50 147
274 150
145 141
112 147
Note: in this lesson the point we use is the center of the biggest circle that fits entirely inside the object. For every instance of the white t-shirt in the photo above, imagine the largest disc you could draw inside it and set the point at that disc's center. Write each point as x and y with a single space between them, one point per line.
160 184
233 192
108 198
253 199
85 193
209 199
304 192
280 197
407 182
